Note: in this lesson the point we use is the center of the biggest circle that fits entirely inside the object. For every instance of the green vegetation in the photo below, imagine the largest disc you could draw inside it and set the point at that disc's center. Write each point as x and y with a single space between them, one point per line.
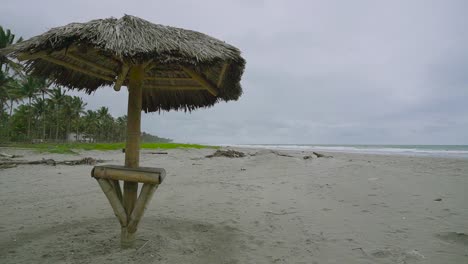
71 148
34 110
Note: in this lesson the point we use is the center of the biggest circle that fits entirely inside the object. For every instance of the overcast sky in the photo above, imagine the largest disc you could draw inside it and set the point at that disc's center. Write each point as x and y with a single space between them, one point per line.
318 72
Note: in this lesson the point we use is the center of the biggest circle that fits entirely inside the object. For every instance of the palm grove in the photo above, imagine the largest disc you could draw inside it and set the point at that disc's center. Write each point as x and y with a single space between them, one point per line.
32 109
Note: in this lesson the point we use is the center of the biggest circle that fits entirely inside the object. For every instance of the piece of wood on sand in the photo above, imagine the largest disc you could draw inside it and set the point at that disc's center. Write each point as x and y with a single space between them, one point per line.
83 161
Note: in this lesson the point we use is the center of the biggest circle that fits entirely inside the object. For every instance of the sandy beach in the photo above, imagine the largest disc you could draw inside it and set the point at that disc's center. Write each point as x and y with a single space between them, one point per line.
262 208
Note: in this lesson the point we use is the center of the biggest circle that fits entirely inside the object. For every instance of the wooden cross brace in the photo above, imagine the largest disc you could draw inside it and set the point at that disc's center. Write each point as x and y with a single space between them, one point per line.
108 177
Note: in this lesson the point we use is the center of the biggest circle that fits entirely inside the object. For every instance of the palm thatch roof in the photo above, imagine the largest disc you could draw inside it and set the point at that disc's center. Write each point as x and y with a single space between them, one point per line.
185 69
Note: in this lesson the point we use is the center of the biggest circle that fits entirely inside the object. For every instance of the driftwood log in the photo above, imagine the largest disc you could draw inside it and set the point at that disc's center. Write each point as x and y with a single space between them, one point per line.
322 155
227 153
52 162
281 154
157 152
5 155
272 152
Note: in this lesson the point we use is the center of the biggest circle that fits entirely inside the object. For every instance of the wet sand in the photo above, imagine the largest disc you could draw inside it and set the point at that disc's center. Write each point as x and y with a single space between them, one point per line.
263 208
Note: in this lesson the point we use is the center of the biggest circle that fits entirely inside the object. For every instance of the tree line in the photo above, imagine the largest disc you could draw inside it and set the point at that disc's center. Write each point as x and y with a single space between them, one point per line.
33 110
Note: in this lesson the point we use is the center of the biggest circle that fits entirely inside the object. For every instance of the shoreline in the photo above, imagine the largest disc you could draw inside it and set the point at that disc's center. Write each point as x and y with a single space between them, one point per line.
350 149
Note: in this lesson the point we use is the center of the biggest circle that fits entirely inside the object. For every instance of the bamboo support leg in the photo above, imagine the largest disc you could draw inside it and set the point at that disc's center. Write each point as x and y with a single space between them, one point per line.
145 196
118 190
111 195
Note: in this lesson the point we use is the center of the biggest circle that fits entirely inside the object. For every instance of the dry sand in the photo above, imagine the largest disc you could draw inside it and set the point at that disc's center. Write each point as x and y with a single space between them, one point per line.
266 208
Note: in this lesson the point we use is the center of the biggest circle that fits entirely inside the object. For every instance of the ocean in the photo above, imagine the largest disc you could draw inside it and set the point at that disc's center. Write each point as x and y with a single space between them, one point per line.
456 151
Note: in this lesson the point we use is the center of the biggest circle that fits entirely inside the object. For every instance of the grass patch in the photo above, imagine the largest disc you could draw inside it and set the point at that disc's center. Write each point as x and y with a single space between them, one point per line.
68 148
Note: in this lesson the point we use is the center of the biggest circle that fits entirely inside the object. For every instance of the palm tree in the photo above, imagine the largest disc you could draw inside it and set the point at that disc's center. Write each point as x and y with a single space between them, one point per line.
45 90
14 96
105 123
121 123
7 39
19 122
76 108
57 96
30 87
9 94
3 92
6 83
39 108
91 122
3 99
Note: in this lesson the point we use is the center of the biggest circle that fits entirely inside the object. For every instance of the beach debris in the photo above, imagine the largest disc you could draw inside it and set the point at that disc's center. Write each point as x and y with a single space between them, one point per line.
263 152
321 155
7 166
361 250
5 155
51 162
413 254
382 253
282 212
227 153
242 169
316 154
83 161
158 152
438 199
281 154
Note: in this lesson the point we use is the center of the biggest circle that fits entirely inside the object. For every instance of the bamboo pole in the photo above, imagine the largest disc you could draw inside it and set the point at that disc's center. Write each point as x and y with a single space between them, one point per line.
132 148
221 75
121 78
112 196
118 190
151 78
91 64
66 65
146 193
176 88
201 80
141 175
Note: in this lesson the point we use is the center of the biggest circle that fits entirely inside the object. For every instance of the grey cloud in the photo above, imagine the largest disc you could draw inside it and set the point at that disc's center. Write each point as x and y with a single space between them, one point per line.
377 72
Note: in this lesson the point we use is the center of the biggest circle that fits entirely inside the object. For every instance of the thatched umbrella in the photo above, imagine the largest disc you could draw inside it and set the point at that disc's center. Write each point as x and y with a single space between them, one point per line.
164 68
